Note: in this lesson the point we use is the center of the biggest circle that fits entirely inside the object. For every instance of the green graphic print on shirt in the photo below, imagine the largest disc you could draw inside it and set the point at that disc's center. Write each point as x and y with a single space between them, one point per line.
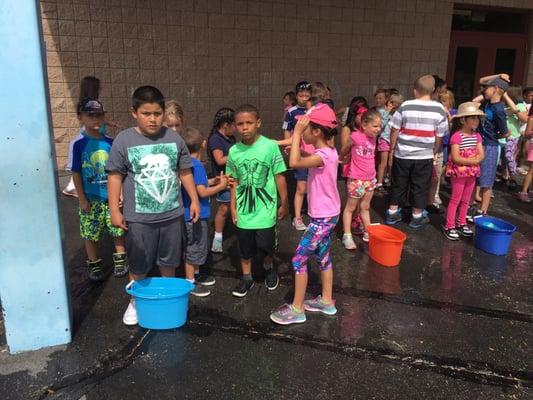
255 168
156 183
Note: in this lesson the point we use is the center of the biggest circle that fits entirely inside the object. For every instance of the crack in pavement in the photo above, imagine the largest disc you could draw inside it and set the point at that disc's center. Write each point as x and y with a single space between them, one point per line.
471 371
108 367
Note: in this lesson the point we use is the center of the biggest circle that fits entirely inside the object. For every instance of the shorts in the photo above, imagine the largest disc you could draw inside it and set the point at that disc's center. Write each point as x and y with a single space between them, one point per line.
96 221
197 242
488 167
300 174
253 242
383 145
155 243
530 151
224 196
356 188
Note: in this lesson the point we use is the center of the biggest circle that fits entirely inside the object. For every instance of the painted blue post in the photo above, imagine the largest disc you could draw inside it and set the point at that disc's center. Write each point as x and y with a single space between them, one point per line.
33 284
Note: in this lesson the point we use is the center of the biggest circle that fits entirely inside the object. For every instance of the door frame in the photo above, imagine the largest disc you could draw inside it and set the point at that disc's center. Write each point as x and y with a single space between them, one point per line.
488 43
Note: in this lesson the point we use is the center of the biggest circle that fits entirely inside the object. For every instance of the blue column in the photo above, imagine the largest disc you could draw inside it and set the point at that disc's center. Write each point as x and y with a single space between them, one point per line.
33 284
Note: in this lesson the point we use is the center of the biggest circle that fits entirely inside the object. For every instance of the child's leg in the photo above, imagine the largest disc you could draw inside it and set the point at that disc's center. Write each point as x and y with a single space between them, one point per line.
477 196
458 185
301 189
306 247
190 269
420 183
220 217
400 181
92 250
327 285
383 161
120 244
528 178
468 188
323 258
510 156
300 286
349 208
485 199
364 204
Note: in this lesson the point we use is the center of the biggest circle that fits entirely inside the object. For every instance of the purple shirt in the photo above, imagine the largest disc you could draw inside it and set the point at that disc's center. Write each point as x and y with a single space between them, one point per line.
323 196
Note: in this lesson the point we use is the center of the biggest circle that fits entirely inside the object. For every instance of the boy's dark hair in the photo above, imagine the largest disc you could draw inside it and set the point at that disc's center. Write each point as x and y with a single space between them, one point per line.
89 88
327 132
193 138
224 115
247 108
302 86
146 95
527 90
292 96
438 81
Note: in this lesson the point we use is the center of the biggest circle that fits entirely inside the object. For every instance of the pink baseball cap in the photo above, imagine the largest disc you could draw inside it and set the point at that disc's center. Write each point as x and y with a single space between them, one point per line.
321 114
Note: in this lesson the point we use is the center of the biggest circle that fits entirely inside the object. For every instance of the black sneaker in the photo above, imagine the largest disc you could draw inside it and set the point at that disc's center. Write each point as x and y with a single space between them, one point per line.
434 209
242 288
120 265
465 231
472 213
451 233
96 271
271 279
204 280
512 185
200 291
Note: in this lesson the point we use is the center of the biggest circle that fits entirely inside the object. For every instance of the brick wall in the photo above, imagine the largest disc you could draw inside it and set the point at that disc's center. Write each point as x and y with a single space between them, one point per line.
213 53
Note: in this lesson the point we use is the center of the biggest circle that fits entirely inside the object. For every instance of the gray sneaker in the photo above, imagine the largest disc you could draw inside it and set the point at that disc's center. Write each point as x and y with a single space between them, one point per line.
287 314
298 224
216 247
317 305
200 291
419 222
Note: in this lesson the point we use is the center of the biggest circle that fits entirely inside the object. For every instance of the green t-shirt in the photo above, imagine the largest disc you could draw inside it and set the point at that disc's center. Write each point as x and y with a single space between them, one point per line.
514 124
255 167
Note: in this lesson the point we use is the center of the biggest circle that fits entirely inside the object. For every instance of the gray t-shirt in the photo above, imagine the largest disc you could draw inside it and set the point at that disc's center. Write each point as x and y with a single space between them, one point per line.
151 186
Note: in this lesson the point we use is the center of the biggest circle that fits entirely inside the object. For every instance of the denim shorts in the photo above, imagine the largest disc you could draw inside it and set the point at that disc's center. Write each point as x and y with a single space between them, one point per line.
224 196
300 174
488 166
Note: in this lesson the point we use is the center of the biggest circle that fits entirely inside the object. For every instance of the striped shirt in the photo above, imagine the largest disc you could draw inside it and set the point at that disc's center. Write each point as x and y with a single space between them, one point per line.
467 141
419 122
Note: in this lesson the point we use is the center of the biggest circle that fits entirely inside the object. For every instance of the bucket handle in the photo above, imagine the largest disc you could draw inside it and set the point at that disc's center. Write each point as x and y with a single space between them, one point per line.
128 287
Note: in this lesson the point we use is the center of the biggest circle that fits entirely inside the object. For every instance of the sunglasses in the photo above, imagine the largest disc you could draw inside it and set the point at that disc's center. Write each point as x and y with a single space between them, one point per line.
303 86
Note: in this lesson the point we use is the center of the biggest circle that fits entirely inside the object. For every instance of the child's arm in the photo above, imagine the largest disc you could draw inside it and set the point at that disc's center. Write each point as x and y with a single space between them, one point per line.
281 184
393 140
187 181
478 99
204 191
457 159
114 188
345 138
346 148
295 157
233 202
521 115
219 157
485 79
286 141
85 205
529 127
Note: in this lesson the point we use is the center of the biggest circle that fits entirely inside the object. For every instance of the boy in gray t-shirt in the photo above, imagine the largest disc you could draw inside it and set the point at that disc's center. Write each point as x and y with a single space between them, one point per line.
146 164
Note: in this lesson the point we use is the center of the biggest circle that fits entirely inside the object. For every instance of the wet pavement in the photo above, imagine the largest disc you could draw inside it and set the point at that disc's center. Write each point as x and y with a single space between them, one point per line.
451 322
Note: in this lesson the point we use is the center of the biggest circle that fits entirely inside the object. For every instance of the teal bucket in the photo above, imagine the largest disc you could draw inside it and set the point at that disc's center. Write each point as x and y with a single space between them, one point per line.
161 303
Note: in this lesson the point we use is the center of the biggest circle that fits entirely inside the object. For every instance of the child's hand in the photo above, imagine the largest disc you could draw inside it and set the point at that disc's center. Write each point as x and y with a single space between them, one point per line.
283 210
287 149
194 211
231 181
234 215
117 219
223 181
301 125
505 77
85 206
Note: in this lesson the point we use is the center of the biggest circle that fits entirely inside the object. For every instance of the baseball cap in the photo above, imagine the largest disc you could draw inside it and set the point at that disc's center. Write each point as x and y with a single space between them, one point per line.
90 106
321 114
498 82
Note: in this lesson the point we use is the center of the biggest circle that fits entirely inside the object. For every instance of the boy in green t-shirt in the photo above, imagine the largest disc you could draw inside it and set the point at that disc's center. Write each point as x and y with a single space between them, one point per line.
257 166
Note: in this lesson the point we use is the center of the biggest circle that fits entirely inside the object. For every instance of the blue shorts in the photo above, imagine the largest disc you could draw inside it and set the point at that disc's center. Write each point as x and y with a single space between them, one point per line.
488 167
224 196
300 174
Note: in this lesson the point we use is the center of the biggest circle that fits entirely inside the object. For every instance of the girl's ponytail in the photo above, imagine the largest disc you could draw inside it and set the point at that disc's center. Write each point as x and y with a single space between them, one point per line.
224 115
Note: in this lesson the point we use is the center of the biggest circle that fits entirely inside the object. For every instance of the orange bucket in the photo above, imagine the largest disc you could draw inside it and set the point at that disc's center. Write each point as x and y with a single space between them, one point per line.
385 245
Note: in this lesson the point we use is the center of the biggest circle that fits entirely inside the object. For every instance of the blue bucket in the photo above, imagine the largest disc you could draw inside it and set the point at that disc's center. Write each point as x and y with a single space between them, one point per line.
493 235
161 303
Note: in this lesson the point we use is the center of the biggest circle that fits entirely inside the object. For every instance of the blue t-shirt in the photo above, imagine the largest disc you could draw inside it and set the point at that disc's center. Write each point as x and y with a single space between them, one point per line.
494 124
290 117
200 178
89 158
217 141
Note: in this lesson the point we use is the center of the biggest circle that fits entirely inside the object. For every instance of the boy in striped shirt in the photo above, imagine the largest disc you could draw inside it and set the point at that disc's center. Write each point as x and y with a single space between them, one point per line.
418 127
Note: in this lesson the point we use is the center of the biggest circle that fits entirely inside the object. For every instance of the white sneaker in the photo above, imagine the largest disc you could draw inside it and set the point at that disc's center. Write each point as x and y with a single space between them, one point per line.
298 224
366 238
70 189
347 241
130 316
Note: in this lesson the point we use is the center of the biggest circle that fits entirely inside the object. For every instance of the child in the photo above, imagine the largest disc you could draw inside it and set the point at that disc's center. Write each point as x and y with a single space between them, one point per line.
361 174
417 130
289 101
524 194
257 166
317 127
463 168
197 232
174 116
381 96
493 127
303 93
220 140
395 100
150 164
89 157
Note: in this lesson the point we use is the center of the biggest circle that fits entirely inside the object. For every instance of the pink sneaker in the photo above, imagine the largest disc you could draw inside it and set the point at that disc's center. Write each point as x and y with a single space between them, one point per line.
523 197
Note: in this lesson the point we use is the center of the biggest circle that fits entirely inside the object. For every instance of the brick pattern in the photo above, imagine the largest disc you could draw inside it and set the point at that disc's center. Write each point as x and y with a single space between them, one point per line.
213 53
